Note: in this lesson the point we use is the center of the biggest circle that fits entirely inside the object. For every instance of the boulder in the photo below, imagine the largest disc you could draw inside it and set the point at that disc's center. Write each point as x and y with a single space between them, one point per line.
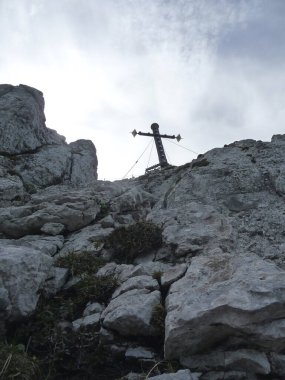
23 271
22 121
32 155
130 313
238 298
183 374
137 282
240 360
30 218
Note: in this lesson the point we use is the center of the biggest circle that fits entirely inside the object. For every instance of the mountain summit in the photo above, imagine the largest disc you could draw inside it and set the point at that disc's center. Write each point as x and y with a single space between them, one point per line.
178 274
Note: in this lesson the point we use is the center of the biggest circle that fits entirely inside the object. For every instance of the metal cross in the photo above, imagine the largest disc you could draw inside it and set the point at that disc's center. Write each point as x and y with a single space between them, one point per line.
158 142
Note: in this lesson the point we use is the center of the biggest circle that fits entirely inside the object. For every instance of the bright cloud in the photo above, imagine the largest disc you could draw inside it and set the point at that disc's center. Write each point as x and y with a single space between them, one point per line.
197 67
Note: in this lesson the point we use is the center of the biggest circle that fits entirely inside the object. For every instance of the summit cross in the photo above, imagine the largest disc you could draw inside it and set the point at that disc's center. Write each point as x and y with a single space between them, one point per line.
158 143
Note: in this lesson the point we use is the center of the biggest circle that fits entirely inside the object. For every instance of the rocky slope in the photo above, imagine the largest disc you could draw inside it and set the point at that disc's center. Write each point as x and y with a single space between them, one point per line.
178 274
32 156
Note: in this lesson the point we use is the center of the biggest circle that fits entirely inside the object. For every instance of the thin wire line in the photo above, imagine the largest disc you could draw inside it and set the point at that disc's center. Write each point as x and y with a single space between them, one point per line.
150 153
137 160
181 146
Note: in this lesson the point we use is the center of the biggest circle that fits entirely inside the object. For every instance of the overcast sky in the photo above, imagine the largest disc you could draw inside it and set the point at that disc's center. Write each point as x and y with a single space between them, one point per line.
211 70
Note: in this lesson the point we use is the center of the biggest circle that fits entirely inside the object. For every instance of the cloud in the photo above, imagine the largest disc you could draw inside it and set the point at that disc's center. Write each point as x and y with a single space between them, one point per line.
197 67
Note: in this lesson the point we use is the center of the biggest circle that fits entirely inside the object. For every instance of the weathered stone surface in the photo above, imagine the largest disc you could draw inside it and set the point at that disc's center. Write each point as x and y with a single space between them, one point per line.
29 219
277 364
49 245
35 156
125 271
93 308
90 320
130 313
84 162
241 360
52 228
230 375
23 271
88 239
11 188
22 121
139 353
132 200
223 297
173 274
57 278
192 228
183 374
137 282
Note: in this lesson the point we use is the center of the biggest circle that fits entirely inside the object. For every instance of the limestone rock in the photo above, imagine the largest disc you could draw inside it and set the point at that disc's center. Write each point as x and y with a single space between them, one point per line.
223 297
90 320
52 228
229 375
55 282
130 313
29 219
88 239
137 282
23 271
22 120
93 308
139 353
84 162
240 360
11 188
183 374
193 228
32 155
124 272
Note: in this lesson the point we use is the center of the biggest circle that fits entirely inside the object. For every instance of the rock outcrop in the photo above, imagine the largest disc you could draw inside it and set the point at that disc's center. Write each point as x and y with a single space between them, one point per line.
33 156
208 299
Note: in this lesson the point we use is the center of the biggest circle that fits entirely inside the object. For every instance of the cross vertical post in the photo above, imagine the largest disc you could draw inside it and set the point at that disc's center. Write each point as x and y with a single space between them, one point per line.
158 143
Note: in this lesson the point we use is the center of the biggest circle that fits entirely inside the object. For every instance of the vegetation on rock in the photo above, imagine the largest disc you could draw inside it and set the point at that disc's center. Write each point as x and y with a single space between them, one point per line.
134 240
80 263
62 352
15 363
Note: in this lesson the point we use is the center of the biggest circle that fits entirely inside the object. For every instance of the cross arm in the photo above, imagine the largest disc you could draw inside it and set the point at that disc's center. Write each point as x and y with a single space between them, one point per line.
134 133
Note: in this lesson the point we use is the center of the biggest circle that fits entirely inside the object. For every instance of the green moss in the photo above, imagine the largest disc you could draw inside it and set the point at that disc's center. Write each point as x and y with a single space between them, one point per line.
15 363
134 240
80 263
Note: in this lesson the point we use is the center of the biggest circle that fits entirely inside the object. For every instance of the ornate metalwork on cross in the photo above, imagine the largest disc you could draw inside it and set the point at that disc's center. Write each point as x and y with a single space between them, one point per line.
158 143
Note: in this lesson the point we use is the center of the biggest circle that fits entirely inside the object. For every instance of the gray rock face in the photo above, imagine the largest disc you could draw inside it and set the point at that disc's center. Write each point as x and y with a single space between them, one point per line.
33 156
220 271
130 313
240 360
23 271
226 297
22 121
73 209
184 374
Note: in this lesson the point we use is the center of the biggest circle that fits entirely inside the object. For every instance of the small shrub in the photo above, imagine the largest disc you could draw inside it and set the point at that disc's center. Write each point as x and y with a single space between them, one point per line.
15 363
80 263
93 288
157 276
104 210
158 318
134 240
